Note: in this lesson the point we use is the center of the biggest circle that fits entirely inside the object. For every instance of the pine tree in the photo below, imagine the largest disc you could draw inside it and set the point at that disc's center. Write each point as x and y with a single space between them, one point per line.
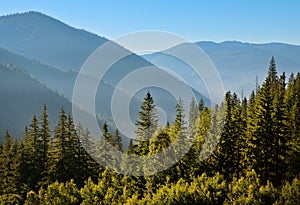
58 169
180 124
268 130
10 181
147 124
44 137
159 143
73 153
228 151
131 149
32 155
179 133
117 141
201 105
87 165
272 73
203 127
107 156
281 133
193 116
261 130
292 98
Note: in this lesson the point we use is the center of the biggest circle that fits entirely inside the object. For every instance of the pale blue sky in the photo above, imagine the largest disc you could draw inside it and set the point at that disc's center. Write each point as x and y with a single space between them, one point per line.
216 20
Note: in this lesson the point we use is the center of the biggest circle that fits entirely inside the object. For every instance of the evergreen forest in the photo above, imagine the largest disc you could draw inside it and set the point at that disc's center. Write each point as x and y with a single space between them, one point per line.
256 159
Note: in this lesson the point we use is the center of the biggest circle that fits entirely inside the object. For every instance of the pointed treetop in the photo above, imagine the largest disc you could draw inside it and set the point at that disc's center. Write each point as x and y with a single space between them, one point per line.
201 105
272 73
7 135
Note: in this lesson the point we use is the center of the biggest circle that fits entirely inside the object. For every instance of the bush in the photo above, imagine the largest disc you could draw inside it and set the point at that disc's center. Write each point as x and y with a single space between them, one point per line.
290 193
247 190
10 199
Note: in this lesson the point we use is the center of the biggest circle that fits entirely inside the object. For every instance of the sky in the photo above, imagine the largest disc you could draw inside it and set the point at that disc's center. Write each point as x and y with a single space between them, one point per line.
255 21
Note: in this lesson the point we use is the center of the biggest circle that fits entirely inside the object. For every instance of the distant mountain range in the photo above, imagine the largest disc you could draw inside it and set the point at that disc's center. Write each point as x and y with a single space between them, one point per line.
52 53
40 58
238 63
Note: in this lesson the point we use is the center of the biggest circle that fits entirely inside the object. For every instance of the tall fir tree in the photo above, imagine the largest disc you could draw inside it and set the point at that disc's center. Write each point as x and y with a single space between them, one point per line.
32 155
117 141
147 124
201 105
58 169
267 139
228 151
292 98
44 137
10 179
193 116
87 165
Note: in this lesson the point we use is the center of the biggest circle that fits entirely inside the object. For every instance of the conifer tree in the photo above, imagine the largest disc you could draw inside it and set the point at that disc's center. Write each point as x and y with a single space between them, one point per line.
292 98
58 169
10 181
44 137
193 116
268 129
73 152
228 151
118 141
201 105
32 155
147 124
179 133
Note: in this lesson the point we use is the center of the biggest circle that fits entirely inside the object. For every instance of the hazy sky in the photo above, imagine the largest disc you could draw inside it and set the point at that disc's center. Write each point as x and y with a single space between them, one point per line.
215 20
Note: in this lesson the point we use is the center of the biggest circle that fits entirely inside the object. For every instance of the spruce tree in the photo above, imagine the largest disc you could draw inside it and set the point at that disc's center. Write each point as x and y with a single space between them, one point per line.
228 151
32 155
201 105
179 133
193 116
44 137
58 169
10 181
147 124
118 141
73 152
292 98
268 130
88 166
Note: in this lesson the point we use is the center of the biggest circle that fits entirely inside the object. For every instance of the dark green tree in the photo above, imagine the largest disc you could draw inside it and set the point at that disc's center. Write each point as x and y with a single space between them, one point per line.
44 137
117 141
228 152
58 153
10 177
268 130
33 166
201 105
147 124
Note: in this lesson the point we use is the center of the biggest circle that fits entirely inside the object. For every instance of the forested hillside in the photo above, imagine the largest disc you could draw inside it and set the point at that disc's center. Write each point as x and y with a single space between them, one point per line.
257 159
21 96
55 79
40 37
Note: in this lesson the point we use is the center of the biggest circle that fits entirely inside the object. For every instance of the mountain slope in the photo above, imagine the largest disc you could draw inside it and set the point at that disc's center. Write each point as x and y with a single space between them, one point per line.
238 63
54 43
46 39
55 79
21 97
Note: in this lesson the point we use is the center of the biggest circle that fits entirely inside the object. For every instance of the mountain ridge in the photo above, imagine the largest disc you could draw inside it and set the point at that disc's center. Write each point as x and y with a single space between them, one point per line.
23 97
31 33
238 63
